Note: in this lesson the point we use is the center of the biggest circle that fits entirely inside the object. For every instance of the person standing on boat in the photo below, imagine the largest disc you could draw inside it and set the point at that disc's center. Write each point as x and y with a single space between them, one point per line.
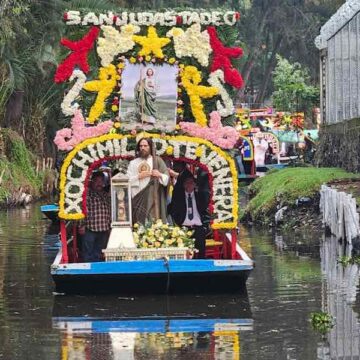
95 229
148 177
190 208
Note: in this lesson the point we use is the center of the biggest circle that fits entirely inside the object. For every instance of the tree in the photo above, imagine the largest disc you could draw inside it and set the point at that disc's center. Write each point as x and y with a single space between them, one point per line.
292 89
286 27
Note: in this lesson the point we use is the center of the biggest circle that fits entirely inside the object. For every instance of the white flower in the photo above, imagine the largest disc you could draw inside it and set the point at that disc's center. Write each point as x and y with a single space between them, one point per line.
191 42
216 79
115 42
68 106
73 17
90 18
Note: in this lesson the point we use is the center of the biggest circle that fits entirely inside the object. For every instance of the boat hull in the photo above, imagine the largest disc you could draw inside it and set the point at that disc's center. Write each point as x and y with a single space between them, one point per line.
153 276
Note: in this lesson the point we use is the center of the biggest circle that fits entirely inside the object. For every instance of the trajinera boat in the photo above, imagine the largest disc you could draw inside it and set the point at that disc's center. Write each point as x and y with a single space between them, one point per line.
182 104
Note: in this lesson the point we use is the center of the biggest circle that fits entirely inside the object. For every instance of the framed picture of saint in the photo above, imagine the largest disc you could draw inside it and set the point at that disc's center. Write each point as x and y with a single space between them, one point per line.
149 96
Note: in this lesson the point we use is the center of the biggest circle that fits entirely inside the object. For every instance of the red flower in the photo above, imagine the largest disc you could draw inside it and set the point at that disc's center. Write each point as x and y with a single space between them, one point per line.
78 57
237 15
65 16
221 59
114 19
179 20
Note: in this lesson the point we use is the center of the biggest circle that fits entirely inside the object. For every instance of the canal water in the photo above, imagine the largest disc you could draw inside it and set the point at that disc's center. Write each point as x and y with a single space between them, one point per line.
294 277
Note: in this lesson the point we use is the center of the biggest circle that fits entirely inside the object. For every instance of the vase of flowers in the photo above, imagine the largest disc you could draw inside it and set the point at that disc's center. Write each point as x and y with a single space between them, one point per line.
159 235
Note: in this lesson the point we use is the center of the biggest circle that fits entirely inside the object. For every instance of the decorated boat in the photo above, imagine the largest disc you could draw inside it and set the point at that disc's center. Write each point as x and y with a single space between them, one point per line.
168 77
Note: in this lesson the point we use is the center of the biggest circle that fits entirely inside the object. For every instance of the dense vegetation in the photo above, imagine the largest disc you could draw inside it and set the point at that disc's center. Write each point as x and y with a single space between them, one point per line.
18 176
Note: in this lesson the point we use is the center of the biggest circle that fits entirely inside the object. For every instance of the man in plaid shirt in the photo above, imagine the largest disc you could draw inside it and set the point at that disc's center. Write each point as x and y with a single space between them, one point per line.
96 227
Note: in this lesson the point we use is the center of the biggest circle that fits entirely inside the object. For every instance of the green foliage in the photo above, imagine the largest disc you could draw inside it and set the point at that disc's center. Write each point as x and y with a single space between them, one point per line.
349 260
17 168
267 28
287 185
322 322
292 91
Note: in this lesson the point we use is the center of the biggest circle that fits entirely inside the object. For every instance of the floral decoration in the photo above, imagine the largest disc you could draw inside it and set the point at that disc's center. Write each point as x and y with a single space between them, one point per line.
115 42
221 59
104 87
66 139
220 165
223 136
191 78
167 18
151 44
90 145
78 57
159 235
289 121
216 79
68 106
191 42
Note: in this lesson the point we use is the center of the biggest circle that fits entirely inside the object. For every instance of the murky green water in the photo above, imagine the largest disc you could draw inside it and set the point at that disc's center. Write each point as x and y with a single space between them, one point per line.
291 280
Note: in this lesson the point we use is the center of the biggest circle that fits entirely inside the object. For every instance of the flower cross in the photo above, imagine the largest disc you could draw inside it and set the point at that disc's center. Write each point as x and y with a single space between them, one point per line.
191 77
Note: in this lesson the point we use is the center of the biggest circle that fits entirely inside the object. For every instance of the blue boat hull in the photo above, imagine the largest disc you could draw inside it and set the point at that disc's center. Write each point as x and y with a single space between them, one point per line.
153 276
173 283
51 211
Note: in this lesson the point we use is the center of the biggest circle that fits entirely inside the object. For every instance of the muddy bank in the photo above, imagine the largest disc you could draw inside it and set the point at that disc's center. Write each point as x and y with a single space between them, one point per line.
289 199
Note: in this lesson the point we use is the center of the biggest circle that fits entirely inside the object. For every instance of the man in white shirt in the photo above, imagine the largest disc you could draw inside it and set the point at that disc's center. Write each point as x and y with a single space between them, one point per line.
260 147
190 208
149 177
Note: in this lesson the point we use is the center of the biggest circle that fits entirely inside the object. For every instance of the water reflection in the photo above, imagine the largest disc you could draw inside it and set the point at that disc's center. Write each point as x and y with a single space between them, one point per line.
342 289
151 327
294 276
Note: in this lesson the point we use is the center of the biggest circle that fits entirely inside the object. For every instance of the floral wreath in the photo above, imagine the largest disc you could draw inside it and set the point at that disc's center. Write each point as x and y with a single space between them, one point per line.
190 40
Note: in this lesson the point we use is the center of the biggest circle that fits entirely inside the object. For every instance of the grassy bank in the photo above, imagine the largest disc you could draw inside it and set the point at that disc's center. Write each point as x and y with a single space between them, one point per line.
281 188
17 170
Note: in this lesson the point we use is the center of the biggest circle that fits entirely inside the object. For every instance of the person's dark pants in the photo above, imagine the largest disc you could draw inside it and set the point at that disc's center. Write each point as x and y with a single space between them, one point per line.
92 243
200 233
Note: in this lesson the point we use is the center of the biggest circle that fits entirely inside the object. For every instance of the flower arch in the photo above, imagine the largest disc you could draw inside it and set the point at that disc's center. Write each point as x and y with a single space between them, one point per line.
78 164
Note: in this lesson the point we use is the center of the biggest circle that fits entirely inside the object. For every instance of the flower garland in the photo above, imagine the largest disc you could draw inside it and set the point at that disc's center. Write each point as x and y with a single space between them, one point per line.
78 57
223 136
151 44
190 78
221 59
104 86
115 42
191 42
66 139
221 165
67 106
216 79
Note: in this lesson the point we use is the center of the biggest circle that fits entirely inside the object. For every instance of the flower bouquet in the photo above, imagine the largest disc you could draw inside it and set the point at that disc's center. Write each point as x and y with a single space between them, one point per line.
159 235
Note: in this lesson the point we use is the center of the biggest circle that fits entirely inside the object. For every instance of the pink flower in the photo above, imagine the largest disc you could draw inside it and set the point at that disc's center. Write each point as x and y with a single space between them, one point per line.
67 139
223 136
